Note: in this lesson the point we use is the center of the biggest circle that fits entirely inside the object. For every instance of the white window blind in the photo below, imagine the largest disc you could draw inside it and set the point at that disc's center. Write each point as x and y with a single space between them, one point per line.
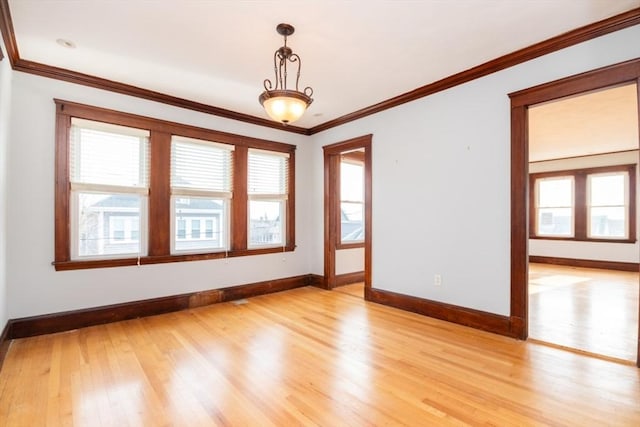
201 189
108 155
201 167
268 173
109 176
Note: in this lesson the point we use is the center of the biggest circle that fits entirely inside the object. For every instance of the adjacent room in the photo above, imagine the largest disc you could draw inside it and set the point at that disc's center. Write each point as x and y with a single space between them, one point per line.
319 213
583 247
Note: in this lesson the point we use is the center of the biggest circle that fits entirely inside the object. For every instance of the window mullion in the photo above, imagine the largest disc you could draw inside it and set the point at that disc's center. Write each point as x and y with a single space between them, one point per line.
580 206
159 194
240 200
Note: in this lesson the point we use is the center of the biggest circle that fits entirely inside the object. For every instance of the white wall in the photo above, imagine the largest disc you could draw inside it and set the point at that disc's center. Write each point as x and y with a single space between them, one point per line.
5 99
34 287
621 252
349 260
441 180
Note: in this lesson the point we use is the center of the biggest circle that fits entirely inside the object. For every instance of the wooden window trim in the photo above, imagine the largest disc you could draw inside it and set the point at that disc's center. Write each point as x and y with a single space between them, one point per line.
580 202
159 194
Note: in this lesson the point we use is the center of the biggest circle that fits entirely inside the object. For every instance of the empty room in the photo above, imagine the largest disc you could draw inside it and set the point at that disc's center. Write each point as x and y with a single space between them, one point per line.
319 213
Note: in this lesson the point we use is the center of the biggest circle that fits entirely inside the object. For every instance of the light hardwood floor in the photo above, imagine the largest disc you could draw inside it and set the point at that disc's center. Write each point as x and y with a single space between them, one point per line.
591 310
305 357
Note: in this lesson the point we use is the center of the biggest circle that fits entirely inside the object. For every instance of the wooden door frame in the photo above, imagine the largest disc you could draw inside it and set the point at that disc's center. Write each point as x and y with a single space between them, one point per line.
331 182
625 72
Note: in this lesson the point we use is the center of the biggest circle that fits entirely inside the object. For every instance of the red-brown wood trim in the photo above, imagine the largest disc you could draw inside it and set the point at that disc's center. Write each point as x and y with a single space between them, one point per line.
611 75
331 166
341 246
579 35
451 313
290 233
8 34
62 185
5 342
315 280
331 171
159 198
107 115
65 321
616 74
163 259
1 58
586 263
519 211
349 278
239 203
638 98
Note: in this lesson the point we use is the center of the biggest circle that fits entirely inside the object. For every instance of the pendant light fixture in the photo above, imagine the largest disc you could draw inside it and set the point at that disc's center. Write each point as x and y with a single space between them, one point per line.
281 104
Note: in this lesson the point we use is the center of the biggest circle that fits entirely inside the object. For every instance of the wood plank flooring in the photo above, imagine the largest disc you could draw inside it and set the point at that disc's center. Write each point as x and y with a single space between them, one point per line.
591 310
305 357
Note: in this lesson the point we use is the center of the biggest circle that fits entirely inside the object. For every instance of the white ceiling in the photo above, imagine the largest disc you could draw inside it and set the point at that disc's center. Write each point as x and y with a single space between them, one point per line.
604 121
354 53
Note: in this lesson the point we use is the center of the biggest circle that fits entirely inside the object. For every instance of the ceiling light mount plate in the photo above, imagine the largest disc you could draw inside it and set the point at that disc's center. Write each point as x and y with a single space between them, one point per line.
285 29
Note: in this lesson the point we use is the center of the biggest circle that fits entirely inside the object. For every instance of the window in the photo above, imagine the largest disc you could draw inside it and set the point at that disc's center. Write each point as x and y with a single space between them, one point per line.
352 198
109 176
268 193
135 190
201 179
554 206
607 205
596 204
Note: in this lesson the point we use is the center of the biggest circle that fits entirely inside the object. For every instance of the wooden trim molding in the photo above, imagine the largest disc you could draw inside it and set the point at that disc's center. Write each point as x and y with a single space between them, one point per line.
332 155
580 202
5 342
579 35
477 319
349 278
586 263
160 191
69 320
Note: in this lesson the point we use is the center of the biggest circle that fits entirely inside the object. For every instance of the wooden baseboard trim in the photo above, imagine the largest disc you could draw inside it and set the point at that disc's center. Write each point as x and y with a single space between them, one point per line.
5 341
316 280
69 320
586 263
451 313
349 278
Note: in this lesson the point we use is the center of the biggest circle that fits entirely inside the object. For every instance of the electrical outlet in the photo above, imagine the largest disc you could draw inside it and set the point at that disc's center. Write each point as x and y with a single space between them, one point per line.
437 280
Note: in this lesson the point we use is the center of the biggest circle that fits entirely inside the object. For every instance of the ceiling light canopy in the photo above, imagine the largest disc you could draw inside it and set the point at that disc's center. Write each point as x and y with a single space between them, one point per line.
282 104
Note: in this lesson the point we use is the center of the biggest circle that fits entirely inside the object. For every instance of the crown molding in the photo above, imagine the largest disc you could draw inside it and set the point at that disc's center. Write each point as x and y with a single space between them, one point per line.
579 35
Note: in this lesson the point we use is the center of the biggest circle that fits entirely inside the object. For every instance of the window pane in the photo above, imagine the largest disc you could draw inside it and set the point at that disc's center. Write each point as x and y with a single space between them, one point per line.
555 222
608 222
555 192
189 213
352 222
607 190
265 222
106 224
107 158
351 182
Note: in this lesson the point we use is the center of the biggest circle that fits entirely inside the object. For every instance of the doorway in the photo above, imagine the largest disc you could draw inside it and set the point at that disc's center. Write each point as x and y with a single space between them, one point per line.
620 74
347 214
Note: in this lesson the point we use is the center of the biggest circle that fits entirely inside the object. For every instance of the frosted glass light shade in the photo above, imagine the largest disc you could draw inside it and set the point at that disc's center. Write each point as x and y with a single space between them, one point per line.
284 106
